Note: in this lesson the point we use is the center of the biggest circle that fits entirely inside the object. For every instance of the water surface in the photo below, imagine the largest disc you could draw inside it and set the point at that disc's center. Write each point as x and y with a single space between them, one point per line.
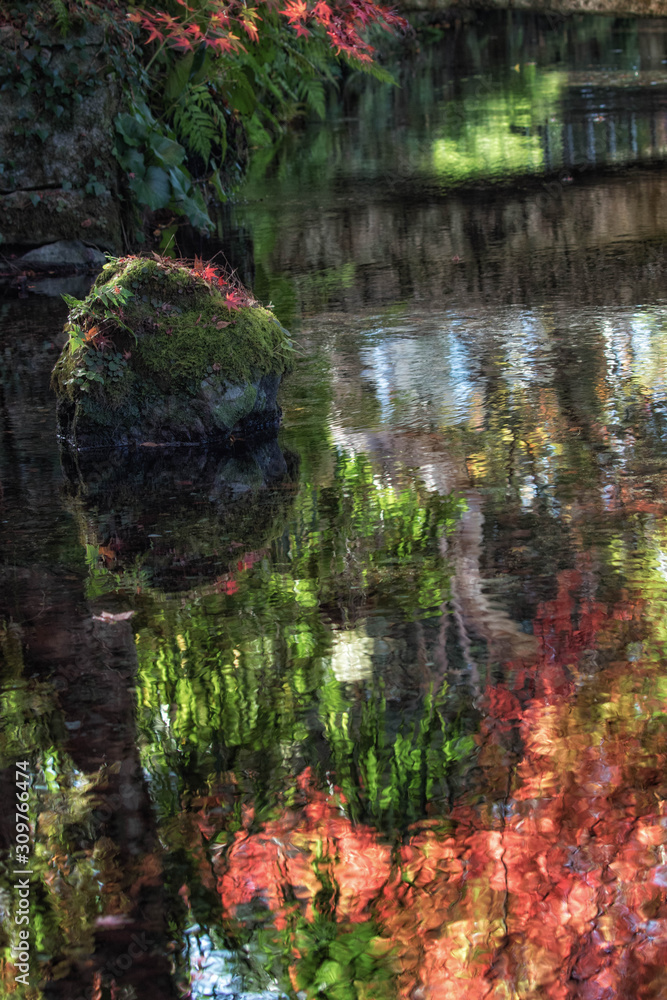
389 717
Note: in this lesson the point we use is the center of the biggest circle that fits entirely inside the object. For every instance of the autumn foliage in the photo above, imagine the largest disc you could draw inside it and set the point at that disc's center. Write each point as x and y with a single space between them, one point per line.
224 26
547 880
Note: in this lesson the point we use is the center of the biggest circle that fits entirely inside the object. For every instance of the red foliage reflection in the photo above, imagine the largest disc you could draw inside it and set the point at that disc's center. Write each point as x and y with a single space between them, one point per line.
549 881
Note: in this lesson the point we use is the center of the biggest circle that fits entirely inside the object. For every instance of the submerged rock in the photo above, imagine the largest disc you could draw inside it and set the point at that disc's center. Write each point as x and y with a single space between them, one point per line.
163 353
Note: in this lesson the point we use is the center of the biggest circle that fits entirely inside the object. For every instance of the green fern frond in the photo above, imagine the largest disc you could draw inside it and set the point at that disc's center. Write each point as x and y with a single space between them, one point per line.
61 15
316 61
313 96
372 69
198 121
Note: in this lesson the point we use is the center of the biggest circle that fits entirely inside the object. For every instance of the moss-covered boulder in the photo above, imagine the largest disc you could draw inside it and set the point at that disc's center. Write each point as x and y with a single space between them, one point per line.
161 352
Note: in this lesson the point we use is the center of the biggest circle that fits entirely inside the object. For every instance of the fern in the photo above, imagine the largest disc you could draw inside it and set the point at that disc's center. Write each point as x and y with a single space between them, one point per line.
370 69
199 123
313 97
61 14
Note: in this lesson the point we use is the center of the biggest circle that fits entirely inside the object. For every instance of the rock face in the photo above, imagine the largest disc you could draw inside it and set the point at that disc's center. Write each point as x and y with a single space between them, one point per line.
162 354
58 174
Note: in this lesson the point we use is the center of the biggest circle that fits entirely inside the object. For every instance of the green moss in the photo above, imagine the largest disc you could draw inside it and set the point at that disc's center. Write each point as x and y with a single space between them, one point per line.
170 329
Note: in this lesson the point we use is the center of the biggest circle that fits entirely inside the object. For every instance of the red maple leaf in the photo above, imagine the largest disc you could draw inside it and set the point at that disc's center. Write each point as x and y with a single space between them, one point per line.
234 300
154 33
251 28
295 10
322 12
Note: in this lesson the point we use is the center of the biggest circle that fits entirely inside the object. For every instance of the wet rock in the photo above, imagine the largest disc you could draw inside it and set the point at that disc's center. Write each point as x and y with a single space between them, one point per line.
161 354
71 255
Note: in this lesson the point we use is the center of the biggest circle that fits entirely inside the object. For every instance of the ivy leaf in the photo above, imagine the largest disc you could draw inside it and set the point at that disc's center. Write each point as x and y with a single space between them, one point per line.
169 152
154 190
132 128
133 162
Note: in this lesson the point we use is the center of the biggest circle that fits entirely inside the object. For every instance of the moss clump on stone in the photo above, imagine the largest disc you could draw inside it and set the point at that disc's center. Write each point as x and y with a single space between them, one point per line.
157 344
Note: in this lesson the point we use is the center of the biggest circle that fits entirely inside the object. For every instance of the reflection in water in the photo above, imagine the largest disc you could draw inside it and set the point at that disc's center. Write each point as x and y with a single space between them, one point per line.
389 720
541 871
404 195
549 881
176 518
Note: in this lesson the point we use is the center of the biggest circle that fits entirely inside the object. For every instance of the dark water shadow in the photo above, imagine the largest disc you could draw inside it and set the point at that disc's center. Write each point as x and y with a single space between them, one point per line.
180 515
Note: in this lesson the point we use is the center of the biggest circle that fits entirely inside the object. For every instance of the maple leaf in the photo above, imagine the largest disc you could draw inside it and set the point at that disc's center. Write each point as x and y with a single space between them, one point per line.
154 34
251 30
234 300
225 44
295 10
209 273
198 266
322 12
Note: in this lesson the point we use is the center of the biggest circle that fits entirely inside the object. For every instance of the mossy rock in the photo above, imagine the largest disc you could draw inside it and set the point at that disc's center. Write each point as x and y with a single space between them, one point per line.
163 353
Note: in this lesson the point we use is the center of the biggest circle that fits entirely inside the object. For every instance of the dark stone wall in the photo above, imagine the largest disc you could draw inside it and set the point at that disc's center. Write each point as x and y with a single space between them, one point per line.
58 176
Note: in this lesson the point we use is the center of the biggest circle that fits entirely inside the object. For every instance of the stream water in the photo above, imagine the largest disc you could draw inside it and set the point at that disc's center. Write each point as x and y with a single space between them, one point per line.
389 716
